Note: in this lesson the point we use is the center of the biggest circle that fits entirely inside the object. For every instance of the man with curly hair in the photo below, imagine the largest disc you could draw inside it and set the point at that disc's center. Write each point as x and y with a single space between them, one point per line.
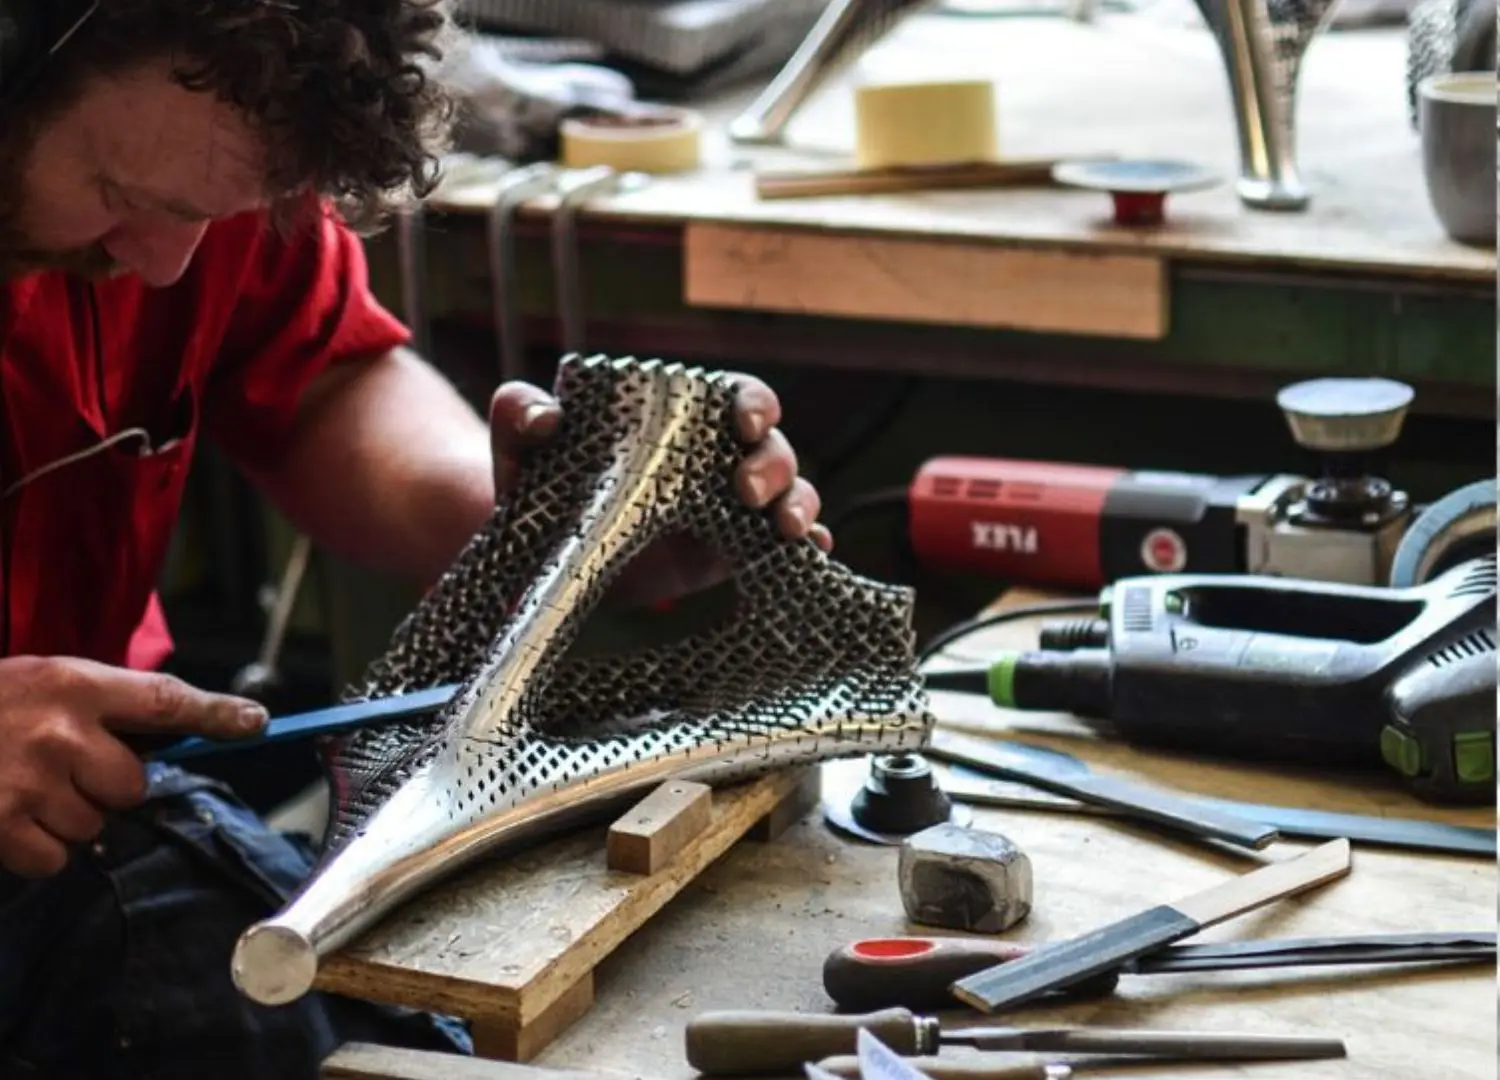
172 270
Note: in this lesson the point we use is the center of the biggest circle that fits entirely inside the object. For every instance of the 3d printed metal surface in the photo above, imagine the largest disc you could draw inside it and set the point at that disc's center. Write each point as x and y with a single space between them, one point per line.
815 662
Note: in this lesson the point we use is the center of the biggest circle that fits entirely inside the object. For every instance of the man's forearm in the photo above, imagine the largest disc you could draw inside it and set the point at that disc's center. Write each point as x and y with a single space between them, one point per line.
388 467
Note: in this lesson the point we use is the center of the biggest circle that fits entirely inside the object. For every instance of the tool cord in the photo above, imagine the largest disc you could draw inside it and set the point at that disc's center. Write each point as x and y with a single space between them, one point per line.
969 627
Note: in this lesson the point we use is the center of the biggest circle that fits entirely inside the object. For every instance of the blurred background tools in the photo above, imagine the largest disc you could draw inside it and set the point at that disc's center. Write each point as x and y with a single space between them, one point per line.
916 972
1261 45
1078 526
1270 668
749 1043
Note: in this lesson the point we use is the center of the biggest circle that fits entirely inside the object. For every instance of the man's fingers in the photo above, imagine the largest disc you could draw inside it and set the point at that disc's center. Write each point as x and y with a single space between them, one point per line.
798 510
757 408
29 851
767 474
822 537
521 416
110 774
70 817
147 702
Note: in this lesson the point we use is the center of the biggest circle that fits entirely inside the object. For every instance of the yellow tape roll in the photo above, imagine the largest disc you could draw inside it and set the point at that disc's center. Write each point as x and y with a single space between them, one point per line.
925 123
665 141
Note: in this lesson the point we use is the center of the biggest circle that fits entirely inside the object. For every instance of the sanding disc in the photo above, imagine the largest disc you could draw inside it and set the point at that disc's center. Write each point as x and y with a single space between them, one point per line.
841 819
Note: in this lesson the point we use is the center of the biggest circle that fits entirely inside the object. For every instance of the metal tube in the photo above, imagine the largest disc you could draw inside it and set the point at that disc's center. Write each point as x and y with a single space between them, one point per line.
516 188
842 34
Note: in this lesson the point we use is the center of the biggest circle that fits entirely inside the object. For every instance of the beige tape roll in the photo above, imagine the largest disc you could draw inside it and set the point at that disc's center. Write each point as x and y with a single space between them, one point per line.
925 123
666 141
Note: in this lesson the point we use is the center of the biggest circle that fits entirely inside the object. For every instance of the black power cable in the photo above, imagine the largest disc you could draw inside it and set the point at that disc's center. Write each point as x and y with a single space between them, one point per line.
969 627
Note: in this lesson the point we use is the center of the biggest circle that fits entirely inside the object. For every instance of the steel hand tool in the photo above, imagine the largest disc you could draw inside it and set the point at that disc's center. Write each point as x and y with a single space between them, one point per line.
750 1043
917 972
304 725
968 1067
1058 964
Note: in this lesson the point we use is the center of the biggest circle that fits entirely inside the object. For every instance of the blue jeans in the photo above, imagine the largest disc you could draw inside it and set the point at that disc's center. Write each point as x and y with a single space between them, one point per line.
118 967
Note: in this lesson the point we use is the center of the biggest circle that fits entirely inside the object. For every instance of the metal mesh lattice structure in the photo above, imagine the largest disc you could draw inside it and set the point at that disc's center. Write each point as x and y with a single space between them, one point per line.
814 662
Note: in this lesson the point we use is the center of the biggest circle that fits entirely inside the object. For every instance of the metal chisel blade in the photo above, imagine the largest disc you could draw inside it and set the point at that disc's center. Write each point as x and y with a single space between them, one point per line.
1201 1045
1309 952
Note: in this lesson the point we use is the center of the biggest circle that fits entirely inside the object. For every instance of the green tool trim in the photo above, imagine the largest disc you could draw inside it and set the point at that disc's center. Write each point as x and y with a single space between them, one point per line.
1002 680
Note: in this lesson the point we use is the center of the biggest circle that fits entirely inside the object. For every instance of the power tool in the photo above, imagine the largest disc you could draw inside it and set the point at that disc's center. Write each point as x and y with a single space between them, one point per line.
1083 526
1261 667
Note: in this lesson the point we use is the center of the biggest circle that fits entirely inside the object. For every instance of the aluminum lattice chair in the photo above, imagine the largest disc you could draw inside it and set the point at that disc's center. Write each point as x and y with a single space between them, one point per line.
815 663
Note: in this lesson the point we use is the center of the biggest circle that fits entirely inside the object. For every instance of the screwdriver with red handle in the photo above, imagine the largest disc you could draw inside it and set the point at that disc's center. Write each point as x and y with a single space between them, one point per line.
917 972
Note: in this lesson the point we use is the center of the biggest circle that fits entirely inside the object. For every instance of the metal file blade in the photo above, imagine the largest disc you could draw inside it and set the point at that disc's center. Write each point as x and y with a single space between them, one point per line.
1112 947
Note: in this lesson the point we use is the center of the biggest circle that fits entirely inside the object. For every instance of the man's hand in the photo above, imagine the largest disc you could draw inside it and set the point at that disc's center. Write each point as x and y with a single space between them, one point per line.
523 416
64 767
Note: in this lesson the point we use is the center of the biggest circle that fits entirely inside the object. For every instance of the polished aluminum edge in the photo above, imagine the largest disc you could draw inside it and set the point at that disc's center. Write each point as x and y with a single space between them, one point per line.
815 662
845 31
1262 43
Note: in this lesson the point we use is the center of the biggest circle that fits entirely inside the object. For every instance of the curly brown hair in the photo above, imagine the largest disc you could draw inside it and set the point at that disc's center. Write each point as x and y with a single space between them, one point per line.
337 88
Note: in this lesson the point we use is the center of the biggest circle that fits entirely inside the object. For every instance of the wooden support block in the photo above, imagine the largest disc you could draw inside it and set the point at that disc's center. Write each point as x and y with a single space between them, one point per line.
950 281
657 827
799 802
501 1038
367 1061
511 944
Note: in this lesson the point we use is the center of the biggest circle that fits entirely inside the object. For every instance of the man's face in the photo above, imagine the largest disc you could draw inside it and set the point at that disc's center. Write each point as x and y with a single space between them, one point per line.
127 179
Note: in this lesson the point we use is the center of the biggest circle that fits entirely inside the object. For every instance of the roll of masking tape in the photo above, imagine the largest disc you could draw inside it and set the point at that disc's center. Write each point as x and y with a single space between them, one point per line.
925 123
660 141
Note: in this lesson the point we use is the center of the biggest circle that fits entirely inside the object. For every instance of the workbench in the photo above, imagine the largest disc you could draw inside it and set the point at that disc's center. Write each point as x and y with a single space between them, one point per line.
753 929
1030 284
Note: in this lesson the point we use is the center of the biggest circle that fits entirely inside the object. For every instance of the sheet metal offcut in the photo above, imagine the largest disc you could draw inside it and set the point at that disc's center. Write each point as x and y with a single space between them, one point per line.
815 662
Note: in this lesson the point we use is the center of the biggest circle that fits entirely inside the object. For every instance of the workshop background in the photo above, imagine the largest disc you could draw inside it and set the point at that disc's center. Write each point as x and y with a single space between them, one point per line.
867 402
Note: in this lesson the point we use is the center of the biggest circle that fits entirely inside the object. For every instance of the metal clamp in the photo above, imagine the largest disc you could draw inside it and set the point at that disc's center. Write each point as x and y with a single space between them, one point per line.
843 33
574 191
516 188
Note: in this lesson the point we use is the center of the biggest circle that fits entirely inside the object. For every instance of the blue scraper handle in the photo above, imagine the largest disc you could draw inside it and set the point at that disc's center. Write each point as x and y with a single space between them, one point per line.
307 725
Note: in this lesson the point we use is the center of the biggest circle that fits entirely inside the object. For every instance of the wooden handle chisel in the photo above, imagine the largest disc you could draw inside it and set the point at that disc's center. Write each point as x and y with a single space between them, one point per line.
753 1043
1112 947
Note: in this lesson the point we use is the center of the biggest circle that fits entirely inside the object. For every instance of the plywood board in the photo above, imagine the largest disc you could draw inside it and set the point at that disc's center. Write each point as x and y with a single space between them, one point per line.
512 944
755 268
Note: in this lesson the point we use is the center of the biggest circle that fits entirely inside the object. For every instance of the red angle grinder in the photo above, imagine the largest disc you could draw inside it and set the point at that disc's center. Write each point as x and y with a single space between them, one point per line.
1084 526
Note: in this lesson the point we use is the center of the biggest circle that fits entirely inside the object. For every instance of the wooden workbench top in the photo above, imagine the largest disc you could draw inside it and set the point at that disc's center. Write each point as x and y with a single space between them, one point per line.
1132 85
753 931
